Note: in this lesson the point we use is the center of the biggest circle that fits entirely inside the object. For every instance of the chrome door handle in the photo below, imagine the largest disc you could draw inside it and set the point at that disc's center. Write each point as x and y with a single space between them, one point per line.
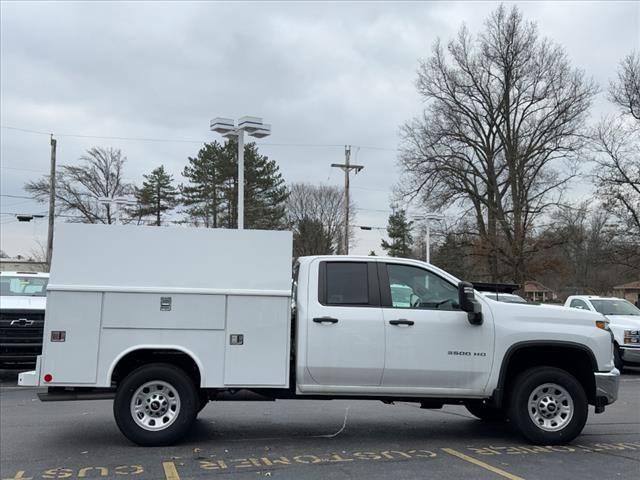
401 321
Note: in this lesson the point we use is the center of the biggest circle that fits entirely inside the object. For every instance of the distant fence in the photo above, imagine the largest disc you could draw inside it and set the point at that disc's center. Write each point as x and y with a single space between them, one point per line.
13 265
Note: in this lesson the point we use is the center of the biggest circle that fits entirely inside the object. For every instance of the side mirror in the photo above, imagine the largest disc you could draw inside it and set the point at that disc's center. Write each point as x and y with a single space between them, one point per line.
469 304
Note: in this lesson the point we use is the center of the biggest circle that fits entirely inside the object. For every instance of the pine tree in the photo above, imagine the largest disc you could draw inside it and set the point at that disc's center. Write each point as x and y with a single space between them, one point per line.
311 238
399 231
211 192
157 195
206 174
265 192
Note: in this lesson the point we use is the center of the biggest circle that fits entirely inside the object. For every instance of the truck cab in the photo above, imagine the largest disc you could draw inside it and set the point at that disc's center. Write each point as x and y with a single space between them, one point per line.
387 327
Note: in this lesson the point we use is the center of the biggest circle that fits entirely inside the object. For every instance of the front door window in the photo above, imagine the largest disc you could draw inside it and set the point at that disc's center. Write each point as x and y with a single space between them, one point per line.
413 287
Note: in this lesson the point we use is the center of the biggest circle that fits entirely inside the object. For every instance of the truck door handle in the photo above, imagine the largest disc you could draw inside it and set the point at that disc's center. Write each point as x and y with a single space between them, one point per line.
325 320
401 321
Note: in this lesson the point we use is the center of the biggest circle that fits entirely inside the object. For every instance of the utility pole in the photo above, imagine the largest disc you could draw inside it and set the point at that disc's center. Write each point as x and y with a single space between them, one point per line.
347 167
52 200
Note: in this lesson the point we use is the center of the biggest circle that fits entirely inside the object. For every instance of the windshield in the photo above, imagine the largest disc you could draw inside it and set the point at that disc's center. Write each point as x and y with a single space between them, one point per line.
23 286
615 307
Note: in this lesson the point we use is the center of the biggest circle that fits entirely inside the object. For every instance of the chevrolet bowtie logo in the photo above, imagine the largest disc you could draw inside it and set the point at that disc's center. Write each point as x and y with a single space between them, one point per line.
21 322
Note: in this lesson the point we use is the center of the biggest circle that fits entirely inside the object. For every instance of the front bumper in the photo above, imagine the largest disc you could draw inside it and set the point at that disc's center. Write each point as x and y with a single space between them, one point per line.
630 354
607 385
32 378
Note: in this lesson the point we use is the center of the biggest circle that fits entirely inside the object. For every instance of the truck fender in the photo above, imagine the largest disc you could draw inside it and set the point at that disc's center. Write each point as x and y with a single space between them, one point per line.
499 392
179 348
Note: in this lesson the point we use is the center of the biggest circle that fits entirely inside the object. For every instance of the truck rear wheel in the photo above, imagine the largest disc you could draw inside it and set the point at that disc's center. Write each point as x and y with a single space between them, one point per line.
548 405
156 404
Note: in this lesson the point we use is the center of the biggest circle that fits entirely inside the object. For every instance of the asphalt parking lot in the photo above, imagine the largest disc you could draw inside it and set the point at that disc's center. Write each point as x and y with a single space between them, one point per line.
309 439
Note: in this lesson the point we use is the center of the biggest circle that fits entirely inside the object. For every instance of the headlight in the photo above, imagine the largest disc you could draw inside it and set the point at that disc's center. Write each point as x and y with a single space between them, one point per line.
603 324
632 336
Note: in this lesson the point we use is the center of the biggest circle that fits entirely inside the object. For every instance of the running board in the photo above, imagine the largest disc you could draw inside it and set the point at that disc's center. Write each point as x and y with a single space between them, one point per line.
68 395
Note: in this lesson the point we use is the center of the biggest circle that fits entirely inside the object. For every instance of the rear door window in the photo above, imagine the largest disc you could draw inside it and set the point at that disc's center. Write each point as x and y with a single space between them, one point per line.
347 283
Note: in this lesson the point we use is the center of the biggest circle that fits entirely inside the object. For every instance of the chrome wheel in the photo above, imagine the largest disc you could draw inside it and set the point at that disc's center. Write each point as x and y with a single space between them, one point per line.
155 405
550 407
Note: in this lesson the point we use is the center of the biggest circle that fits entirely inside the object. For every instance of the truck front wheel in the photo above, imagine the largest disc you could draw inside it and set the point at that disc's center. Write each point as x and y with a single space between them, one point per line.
548 405
156 404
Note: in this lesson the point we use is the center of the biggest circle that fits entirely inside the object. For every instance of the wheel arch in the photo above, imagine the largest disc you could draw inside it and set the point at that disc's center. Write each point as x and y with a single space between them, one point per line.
132 357
575 358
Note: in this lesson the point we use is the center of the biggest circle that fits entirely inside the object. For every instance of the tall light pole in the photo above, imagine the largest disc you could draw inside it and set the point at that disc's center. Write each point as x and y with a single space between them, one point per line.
227 128
436 217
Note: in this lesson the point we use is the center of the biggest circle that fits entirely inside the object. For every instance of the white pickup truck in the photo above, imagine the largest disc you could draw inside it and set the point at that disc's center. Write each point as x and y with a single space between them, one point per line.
22 306
166 319
624 322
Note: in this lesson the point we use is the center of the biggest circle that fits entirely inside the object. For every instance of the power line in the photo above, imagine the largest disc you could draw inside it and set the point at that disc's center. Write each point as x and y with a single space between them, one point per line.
23 169
17 196
24 130
181 140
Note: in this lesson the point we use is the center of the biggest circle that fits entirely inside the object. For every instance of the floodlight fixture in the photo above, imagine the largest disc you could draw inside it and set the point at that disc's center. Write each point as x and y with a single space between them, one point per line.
250 124
222 125
262 132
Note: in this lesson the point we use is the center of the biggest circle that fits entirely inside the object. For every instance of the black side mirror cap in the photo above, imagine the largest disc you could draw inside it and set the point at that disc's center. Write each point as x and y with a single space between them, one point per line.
469 304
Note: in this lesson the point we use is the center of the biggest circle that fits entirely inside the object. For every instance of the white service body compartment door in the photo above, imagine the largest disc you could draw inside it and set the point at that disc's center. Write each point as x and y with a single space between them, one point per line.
263 357
78 315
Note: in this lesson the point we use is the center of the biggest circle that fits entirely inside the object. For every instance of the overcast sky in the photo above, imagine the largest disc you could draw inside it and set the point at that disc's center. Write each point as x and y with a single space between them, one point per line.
323 74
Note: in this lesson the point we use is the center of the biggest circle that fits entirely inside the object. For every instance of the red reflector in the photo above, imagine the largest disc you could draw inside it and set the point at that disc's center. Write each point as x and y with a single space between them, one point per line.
48 377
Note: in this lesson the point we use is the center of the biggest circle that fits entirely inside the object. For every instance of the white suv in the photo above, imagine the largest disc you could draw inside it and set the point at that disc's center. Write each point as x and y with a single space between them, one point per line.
624 322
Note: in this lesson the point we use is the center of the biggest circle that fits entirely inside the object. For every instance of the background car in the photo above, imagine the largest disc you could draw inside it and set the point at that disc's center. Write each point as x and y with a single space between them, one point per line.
624 322
22 305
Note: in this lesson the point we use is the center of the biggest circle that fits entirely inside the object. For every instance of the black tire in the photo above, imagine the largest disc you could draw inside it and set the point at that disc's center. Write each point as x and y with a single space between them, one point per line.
535 379
186 411
617 358
489 414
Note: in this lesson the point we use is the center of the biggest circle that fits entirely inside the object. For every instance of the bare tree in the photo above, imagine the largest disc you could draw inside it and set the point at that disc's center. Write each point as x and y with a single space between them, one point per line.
79 187
624 91
617 173
316 216
502 128
39 252
617 144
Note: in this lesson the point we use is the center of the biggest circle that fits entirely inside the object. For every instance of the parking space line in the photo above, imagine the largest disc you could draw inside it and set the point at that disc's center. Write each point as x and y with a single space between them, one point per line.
477 462
170 471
